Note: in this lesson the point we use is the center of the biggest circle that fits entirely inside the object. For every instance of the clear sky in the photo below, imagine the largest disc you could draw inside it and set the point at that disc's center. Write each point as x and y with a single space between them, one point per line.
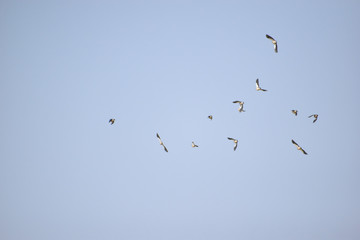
67 67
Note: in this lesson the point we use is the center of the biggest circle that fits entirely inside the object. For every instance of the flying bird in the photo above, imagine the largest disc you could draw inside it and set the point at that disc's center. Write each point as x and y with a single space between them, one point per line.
161 142
298 147
235 141
274 42
315 117
258 88
210 117
112 120
241 107
194 145
294 112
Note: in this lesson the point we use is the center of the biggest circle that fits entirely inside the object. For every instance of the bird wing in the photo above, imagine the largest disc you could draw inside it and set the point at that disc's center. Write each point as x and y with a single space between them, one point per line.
257 83
303 151
157 135
311 116
231 138
165 148
294 143
315 120
236 102
269 37
275 47
235 146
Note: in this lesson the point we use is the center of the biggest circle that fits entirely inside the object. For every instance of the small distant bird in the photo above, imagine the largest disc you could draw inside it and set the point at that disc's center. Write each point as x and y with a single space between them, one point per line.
161 142
298 147
241 108
294 112
210 117
194 145
315 117
274 42
258 88
235 141
112 120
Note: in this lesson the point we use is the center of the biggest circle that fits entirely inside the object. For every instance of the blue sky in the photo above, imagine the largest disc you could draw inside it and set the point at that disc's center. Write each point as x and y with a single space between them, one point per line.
67 67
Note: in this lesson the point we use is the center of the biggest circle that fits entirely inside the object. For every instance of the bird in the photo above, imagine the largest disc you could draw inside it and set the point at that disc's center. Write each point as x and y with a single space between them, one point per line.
258 88
210 117
161 142
112 120
194 145
315 117
294 112
235 141
241 108
274 42
298 147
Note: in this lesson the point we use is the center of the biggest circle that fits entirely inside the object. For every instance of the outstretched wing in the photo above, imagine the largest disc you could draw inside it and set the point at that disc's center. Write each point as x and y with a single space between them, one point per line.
157 135
294 143
269 37
303 151
236 101
165 148
257 83
235 146
311 116
231 139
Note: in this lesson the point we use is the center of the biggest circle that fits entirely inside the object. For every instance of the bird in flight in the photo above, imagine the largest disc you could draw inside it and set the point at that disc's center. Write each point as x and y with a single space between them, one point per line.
194 145
161 142
298 147
294 112
112 120
241 107
258 88
274 42
235 141
315 117
210 117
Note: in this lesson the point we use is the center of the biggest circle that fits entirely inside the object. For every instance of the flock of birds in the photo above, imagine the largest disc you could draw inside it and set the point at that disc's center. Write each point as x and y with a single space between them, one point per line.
241 109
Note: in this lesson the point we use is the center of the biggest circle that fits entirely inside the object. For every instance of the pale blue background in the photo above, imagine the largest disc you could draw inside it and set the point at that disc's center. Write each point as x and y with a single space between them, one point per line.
67 67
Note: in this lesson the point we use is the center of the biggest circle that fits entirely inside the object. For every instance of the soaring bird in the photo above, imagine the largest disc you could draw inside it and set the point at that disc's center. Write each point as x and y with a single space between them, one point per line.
194 145
315 117
298 147
294 112
241 108
112 120
161 142
258 88
235 141
274 42
210 117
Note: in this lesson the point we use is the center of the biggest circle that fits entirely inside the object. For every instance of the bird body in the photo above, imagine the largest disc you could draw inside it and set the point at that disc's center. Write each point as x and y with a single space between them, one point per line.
258 88
294 112
194 145
315 117
274 42
235 141
112 121
298 147
241 107
210 117
161 142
